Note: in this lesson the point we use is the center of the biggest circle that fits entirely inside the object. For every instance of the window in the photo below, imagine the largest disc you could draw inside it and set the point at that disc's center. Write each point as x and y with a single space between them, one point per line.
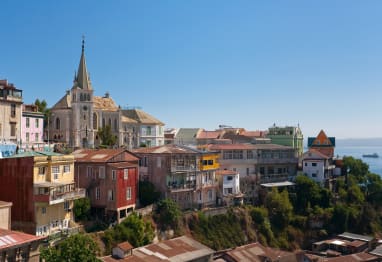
41 170
101 172
66 168
306 164
89 171
148 131
314 175
210 162
247 171
66 205
113 174
95 121
271 170
280 170
126 174
27 136
210 194
27 122
115 125
262 170
110 195
229 190
58 124
98 193
229 178
13 110
55 169
13 129
128 193
205 162
36 137
314 164
43 210
249 154
36 122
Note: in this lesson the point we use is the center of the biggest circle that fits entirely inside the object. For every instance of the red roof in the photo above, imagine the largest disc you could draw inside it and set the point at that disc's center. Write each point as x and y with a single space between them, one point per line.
208 134
125 246
102 155
253 133
226 172
9 238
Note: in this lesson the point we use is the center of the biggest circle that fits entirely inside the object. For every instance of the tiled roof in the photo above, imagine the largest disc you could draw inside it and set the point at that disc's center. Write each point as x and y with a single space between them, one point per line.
9 238
253 133
246 146
101 155
126 119
314 154
358 257
208 134
64 103
104 103
165 149
125 246
141 117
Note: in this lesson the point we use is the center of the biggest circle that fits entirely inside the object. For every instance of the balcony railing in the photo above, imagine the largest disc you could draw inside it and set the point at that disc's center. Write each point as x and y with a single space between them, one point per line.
183 168
60 197
182 186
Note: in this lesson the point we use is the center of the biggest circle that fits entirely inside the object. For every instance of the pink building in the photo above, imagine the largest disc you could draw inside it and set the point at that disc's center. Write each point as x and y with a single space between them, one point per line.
32 128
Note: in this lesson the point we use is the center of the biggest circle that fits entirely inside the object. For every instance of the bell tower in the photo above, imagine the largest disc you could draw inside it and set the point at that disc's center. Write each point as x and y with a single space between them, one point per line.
82 133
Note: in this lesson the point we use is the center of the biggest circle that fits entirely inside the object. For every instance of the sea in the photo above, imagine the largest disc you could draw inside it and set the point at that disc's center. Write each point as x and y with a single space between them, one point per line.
358 147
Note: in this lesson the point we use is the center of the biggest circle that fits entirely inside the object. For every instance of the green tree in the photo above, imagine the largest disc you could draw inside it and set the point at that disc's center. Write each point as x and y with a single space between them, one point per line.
356 167
168 214
133 229
81 208
106 136
42 107
77 247
280 208
147 193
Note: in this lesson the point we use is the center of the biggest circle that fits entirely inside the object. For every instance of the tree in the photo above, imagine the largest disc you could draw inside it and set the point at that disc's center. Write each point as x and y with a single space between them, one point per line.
147 193
81 208
77 247
168 214
106 136
280 208
42 107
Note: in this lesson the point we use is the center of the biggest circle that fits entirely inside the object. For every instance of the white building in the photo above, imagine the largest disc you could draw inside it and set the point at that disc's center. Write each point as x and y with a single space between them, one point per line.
229 186
317 166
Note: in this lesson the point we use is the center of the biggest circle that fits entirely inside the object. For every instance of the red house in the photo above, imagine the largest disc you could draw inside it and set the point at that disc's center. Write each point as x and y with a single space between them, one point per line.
110 177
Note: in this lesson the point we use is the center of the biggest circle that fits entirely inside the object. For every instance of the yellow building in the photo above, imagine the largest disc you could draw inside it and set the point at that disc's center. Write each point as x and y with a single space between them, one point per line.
45 191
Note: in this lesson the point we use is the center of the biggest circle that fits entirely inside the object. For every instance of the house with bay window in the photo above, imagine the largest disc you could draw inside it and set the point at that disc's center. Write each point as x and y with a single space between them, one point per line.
110 177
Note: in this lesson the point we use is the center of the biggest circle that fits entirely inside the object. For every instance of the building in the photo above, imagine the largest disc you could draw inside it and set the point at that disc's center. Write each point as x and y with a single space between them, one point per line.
182 173
77 116
287 136
32 128
229 187
257 252
18 246
323 144
268 162
110 177
181 248
11 99
5 215
187 136
318 166
42 189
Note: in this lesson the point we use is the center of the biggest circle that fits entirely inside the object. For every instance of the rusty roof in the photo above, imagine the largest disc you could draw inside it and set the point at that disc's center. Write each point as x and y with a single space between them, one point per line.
125 246
165 149
102 155
208 134
9 238
181 248
358 257
240 146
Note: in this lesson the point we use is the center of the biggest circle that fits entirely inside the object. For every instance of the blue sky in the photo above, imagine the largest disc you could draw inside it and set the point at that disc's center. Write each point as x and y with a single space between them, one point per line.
203 63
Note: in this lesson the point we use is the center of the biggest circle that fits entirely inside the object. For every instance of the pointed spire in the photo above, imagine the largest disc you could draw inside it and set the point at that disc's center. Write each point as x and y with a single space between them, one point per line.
82 77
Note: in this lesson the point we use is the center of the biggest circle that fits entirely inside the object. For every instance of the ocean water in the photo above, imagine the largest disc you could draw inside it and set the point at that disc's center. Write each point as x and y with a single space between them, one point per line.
375 164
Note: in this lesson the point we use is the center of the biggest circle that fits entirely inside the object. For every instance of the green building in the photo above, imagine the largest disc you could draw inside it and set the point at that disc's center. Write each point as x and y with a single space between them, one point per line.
287 136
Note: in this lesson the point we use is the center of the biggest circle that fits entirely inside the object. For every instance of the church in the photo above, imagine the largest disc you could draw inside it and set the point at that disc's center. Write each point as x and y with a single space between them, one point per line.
77 116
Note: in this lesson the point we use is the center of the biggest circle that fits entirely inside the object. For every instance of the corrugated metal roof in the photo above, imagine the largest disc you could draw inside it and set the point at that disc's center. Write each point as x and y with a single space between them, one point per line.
9 238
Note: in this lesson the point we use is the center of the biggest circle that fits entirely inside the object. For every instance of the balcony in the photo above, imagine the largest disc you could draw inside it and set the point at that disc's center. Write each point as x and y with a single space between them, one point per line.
189 168
178 187
52 193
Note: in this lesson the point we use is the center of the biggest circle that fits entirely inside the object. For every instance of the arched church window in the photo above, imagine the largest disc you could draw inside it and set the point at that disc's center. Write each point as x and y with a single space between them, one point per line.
81 97
58 124
115 125
103 122
110 122
88 96
95 121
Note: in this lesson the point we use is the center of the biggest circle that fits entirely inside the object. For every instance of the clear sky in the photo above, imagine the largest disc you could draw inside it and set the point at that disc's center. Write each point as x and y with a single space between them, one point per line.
201 63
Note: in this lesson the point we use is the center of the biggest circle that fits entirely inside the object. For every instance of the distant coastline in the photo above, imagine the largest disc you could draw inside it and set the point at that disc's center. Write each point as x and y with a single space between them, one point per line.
377 142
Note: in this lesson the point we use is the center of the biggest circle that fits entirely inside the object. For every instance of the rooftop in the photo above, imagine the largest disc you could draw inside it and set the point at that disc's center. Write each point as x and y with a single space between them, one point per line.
102 155
9 238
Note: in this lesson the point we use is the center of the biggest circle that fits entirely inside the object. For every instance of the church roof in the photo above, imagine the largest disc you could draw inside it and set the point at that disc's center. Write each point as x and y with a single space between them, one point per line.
141 117
64 103
126 119
82 80
104 103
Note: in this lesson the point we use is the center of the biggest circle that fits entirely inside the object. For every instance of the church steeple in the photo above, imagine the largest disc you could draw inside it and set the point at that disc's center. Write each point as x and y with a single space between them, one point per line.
82 78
